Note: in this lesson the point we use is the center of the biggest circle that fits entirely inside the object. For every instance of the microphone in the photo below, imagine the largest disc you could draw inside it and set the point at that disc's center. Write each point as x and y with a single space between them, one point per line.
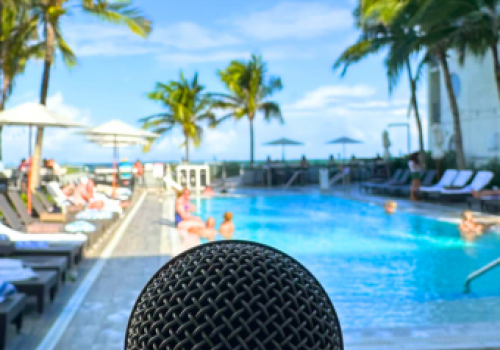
233 295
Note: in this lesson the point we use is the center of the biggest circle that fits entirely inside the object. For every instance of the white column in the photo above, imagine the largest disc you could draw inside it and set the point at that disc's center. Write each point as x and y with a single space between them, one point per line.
197 171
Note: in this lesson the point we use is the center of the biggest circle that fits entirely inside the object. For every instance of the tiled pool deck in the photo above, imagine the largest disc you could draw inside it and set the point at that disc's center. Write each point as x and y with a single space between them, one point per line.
99 304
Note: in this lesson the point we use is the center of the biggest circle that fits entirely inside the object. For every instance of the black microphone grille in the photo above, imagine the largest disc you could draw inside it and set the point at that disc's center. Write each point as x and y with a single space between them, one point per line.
233 295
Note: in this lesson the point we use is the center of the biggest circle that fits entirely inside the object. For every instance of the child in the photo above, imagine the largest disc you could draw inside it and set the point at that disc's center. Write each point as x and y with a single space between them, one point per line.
226 229
390 207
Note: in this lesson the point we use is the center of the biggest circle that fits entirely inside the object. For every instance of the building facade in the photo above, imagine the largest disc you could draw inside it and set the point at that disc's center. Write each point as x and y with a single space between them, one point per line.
475 88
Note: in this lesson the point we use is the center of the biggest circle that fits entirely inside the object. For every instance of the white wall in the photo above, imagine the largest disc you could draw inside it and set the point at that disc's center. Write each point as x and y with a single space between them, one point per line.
478 104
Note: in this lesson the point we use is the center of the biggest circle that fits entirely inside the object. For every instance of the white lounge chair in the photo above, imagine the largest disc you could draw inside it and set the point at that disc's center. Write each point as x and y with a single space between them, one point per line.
51 238
480 181
445 181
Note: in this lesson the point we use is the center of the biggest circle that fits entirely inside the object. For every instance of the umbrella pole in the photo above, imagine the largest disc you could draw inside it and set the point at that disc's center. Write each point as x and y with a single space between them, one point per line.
28 194
113 193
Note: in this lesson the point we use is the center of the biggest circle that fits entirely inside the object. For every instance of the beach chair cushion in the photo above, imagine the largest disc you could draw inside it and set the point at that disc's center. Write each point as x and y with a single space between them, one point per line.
480 181
80 226
446 180
462 178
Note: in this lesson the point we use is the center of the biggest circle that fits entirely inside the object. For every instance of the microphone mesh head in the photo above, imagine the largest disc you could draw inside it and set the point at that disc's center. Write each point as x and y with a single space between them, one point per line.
233 295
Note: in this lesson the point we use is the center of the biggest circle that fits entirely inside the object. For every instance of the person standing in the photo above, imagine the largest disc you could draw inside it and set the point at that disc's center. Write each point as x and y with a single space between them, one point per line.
139 173
415 171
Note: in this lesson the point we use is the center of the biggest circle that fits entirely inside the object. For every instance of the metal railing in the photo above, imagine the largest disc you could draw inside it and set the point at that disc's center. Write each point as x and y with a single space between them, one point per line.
480 272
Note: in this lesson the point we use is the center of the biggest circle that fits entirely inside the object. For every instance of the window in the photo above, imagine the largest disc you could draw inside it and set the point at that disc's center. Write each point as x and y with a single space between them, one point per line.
456 84
436 113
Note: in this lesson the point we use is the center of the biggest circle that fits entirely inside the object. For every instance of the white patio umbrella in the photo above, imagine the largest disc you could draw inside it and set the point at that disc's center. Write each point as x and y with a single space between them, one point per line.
34 114
117 134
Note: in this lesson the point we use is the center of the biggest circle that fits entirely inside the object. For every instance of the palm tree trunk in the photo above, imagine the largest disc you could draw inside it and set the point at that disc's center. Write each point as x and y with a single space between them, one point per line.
251 141
454 110
187 149
496 67
49 55
5 87
414 103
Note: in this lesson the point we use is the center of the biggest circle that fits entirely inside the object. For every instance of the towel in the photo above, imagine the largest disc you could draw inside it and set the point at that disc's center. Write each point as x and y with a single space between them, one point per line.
10 264
80 226
13 275
94 214
6 289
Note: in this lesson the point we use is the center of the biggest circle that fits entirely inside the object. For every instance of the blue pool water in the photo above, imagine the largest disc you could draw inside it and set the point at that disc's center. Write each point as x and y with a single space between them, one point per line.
379 270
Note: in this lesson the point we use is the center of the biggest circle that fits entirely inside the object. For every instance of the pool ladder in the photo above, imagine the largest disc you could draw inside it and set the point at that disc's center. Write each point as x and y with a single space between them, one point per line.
480 272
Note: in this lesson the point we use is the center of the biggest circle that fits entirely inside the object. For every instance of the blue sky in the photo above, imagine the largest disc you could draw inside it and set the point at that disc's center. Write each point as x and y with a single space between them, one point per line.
299 40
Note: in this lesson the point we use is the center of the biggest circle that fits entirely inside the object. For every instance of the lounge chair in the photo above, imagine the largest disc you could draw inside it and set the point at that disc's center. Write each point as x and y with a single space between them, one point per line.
61 200
403 180
480 181
15 223
48 206
446 181
427 178
38 249
368 185
11 311
43 286
58 264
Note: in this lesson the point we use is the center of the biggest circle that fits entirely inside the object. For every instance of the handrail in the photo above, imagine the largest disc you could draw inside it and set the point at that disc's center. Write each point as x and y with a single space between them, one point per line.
478 273
294 177
339 176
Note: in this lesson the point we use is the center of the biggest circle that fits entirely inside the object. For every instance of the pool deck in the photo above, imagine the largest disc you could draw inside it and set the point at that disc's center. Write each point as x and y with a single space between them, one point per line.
93 313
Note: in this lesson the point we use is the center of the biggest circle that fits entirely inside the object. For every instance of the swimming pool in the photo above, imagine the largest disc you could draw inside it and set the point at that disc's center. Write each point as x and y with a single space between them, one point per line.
379 270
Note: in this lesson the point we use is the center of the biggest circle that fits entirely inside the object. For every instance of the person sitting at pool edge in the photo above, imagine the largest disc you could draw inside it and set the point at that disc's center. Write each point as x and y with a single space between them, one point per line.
208 191
226 229
469 228
207 232
183 208
390 207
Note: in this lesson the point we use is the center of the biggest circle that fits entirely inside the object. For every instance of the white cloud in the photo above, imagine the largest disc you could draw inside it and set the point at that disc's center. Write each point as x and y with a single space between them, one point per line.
217 56
100 39
326 95
297 20
190 36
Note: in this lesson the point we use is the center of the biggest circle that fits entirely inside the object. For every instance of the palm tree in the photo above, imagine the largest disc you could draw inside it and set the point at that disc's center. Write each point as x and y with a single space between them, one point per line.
49 14
397 39
17 45
187 106
249 87
436 35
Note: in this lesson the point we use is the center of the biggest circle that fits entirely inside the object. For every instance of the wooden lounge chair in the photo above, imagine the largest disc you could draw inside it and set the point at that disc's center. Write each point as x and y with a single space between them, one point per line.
48 206
11 311
394 178
43 287
58 264
24 222
73 253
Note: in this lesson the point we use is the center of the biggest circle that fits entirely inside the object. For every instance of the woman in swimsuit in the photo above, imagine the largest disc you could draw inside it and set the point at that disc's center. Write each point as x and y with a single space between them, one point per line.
415 171
183 209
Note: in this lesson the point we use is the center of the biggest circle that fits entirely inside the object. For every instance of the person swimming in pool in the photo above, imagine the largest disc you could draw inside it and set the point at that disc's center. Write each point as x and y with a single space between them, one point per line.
470 229
390 207
183 209
226 229
205 233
